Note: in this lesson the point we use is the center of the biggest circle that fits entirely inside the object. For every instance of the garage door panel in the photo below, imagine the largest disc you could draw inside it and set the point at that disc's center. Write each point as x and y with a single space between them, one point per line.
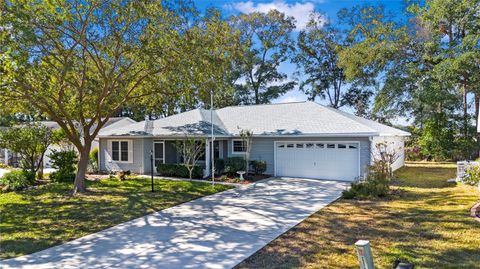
323 160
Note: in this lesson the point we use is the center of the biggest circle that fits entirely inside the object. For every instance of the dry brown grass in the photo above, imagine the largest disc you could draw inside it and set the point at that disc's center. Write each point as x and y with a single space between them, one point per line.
426 221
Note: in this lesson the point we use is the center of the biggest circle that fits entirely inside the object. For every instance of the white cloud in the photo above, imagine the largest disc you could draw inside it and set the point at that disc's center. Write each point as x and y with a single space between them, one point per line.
292 96
300 11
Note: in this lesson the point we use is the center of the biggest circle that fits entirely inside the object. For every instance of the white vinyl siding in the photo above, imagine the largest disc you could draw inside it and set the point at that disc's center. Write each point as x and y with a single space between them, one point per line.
395 143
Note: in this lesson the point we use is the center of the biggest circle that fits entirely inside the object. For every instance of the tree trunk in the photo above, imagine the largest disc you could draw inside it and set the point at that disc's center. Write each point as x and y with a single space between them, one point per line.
40 170
40 166
477 110
81 170
33 168
465 112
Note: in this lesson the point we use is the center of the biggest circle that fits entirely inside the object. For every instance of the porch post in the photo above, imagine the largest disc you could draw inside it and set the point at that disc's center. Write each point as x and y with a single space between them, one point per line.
206 172
6 156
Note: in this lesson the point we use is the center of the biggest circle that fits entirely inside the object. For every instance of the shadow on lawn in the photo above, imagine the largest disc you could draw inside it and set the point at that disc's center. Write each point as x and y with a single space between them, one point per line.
50 215
396 232
216 231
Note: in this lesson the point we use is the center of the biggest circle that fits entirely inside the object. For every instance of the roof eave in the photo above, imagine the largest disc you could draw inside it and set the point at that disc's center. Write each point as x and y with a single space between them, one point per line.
399 134
362 134
158 136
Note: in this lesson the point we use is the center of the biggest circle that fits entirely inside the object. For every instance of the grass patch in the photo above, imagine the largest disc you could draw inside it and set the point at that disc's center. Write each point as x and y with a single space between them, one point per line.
40 218
425 176
426 221
431 164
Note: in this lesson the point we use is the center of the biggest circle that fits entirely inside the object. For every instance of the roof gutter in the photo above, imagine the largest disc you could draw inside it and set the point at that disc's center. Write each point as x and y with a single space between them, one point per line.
369 134
389 134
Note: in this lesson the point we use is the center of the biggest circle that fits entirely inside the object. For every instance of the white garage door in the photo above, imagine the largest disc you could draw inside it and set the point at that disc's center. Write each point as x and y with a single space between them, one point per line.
322 160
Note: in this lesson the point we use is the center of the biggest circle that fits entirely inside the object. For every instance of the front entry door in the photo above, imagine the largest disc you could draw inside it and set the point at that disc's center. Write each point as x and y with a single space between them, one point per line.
216 149
158 153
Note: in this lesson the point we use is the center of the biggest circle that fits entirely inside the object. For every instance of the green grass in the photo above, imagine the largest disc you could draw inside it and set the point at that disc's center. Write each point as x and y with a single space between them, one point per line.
426 221
36 219
431 164
425 176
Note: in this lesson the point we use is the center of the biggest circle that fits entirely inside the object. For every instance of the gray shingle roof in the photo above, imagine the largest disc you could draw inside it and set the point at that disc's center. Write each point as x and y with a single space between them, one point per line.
382 129
194 122
111 122
300 118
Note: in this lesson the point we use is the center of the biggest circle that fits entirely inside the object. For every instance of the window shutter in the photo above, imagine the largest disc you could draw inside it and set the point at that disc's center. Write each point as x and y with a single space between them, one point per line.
108 153
130 151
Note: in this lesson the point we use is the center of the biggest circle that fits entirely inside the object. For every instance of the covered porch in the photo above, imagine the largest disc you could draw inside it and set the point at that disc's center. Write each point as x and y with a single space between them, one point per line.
165 152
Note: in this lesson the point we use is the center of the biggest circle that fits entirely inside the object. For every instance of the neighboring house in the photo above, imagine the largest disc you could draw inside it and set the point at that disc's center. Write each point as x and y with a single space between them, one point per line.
302 139
12 159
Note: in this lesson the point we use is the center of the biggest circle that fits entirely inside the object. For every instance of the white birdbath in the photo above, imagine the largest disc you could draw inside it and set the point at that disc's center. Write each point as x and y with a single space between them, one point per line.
241 173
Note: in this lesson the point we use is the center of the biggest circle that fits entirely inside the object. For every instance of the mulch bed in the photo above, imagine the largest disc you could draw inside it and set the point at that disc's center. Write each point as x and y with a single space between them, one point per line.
247 179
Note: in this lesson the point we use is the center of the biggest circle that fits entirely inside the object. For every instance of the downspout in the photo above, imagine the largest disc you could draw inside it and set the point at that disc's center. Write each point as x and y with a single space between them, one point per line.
370 138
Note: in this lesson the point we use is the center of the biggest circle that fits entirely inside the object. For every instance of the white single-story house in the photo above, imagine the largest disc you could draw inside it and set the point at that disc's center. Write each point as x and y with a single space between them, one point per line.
12 159
301 139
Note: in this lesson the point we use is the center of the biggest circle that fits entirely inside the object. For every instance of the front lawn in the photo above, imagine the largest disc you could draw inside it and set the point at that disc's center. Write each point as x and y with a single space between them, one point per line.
426 221
36 219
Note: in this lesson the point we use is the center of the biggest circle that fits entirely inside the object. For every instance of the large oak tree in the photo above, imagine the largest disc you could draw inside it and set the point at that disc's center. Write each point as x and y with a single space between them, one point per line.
79 62
212 49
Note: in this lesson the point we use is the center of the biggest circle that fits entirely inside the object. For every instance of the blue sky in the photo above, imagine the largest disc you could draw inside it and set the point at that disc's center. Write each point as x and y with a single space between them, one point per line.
300 10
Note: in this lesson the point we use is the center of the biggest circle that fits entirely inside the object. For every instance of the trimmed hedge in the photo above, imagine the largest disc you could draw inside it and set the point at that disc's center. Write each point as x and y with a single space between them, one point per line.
219 166
259 167
234 164
17 180
178 170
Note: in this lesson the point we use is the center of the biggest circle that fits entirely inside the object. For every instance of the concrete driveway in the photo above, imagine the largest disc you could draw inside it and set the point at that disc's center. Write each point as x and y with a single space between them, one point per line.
218 231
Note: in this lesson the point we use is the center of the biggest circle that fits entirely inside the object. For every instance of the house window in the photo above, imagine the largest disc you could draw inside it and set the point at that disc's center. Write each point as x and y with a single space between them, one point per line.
330 146
321 146
352 146
120 151
309 145
342 146
239 146
300 146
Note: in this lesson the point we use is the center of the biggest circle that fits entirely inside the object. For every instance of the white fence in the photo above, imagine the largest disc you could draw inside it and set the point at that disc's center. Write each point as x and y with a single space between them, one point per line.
462 167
